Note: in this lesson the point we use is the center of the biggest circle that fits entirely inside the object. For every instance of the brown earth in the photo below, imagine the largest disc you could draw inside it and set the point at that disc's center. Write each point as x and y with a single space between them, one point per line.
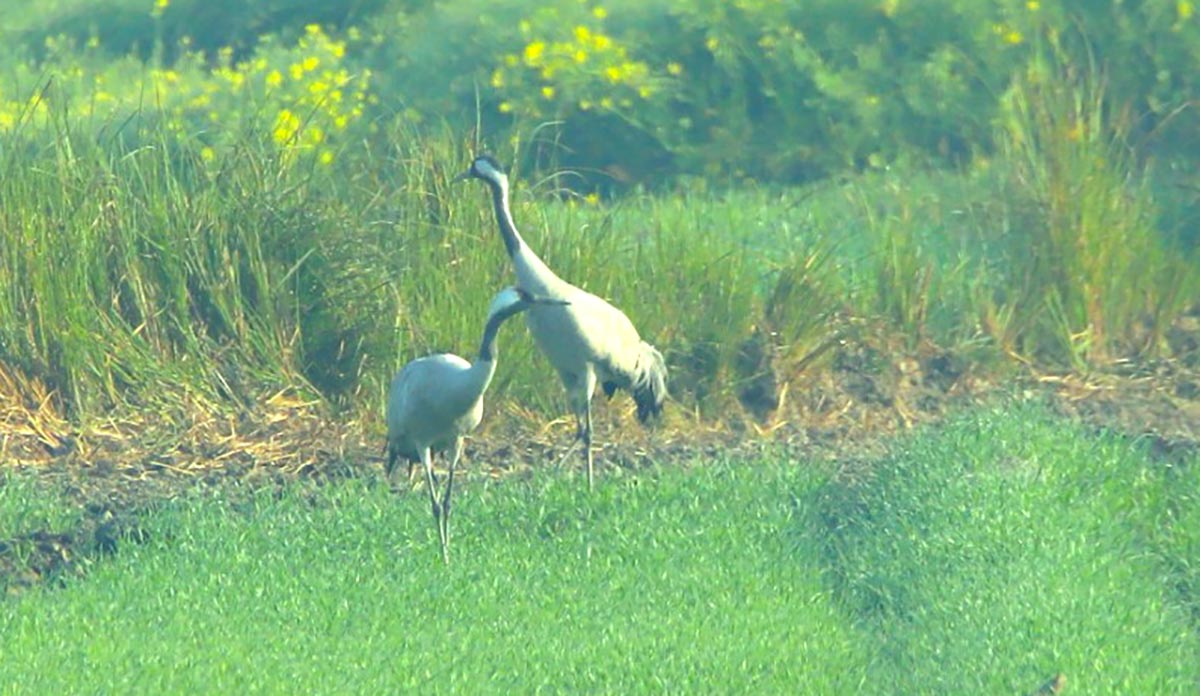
845 412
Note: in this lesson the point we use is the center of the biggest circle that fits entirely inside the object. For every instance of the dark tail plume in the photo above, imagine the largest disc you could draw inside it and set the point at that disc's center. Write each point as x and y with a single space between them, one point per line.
649 387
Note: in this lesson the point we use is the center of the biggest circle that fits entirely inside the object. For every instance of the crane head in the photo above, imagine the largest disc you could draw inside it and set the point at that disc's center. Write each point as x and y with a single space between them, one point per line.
514 300
484 167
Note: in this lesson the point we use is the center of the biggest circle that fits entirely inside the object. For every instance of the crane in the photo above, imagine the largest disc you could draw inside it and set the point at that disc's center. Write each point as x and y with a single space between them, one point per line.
436 400
587 340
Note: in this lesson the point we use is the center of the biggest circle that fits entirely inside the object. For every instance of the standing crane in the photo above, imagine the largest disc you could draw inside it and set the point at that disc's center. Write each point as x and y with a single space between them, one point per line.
586 339
436 400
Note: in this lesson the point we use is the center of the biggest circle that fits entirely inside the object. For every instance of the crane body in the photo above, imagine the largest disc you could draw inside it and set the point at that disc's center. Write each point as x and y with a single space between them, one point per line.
587 340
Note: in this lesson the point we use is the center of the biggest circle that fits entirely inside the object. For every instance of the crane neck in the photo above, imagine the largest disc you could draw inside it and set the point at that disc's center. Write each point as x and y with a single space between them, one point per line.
531 271
508 229
487 346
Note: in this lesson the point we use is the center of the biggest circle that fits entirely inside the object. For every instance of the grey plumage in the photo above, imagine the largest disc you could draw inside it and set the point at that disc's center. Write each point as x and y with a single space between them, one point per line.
588 341
436 400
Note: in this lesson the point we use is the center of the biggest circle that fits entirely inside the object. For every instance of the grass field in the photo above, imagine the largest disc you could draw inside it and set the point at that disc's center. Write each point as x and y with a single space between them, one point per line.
984 557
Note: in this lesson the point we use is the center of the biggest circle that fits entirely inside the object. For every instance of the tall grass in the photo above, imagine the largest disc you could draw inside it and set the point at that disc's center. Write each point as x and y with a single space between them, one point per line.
137 271
1098 279
139 275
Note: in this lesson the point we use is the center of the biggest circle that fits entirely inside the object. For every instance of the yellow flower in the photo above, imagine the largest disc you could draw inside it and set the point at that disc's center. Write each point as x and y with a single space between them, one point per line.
581 56
311 63
274 78
582 34
497 78
340 122
337 49
207 154
712 43
525 27
534 51
162 4
601 42
1184 9
354 33
585 104
548 92
286 125
317 88
315 135
606 103
326 157
674 68
613 74
1033 5
312 29
592 198
1013 37
505 107
599 12
644 92
296 70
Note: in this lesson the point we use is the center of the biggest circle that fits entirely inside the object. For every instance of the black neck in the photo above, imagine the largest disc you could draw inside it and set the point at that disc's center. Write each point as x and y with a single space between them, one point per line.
508 231
487 346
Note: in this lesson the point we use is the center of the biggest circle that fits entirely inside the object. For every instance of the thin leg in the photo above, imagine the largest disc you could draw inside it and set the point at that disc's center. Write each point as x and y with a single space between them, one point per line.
427 458
458 449
586 436
390 465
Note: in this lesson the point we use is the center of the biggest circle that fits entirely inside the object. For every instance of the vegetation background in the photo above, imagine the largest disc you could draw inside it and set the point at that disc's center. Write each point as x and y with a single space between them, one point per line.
209 203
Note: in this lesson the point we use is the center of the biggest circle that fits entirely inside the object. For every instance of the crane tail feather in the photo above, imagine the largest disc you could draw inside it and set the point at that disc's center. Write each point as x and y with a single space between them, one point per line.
649 388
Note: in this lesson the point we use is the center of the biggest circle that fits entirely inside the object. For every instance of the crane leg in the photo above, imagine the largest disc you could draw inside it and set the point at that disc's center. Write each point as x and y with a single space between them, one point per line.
427 458
585 434
458 449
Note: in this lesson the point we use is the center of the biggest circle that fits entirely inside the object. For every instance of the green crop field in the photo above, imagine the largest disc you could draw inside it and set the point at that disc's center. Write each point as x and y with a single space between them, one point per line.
984 557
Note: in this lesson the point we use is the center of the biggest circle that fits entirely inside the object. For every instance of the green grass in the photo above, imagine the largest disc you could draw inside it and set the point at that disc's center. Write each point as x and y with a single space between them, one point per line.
982 558
1010 547
676 581
26 505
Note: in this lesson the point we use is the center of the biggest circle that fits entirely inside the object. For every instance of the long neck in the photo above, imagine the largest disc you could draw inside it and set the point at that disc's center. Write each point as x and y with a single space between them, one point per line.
508 230
531 271
485 364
